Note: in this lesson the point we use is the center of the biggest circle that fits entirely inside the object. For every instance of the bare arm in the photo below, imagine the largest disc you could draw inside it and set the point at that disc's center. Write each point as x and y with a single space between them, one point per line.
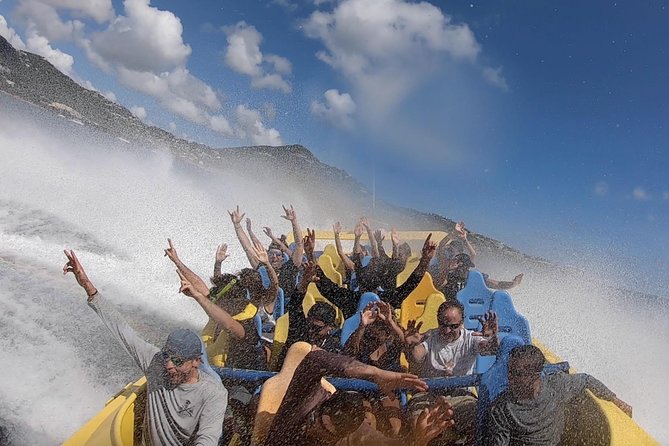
236 216
249 229
218 314
413 347
348 263
461 232
357 233
298 252
192 278
386 315
490 344
221 255
268 232
370 236
270 295
502 285
395 238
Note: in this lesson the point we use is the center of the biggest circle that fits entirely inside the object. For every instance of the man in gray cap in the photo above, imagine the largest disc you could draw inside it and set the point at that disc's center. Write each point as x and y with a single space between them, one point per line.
186 400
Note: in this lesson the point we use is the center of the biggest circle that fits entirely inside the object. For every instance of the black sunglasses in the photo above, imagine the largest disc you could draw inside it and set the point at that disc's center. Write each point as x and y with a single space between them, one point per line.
451 326
178 361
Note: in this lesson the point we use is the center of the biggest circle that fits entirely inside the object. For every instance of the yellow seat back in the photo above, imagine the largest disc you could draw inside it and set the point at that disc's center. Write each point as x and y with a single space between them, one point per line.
217 347
429 316
411 265
327 265
330 250
280 337
312 296
414 305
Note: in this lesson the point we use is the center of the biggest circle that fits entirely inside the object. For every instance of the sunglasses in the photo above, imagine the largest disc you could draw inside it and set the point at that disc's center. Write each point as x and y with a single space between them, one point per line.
178 361
451 326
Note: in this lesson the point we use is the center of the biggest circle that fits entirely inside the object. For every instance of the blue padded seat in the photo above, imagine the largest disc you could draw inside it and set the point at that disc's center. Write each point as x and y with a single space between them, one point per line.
352 323
476 297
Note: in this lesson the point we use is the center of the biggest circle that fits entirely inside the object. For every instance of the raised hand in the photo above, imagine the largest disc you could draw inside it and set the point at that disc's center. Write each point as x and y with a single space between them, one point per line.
364 221
389 381
309 243
336 228
359 229
171 252
431 422
74 266
516 280
187 288
268 232
429 248
394 237
488 324
379 235
222 252
236 216
248 224
290 213
412 335
369 314
309 274
384 311
260 253
460 230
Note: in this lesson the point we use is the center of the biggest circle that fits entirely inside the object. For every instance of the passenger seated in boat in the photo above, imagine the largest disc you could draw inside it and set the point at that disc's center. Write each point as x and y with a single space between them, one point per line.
532 409
378 341
453 277
310 415
369 280
319 326
286 270
185 403
224 300
450 350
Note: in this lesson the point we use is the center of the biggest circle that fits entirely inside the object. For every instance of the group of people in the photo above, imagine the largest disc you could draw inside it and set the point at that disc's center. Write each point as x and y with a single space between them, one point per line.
187 402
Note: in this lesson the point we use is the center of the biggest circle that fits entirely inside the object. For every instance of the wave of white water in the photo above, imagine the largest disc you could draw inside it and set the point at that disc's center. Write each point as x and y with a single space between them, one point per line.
64 186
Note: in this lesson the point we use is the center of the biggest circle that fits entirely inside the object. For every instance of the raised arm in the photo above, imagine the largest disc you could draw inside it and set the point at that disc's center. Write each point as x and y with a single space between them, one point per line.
298 252
237 216
461 232
502 285
141 351
395 239
348 263
370 236
282 246
357 233
218 314
221 255
193 278
490 342
249 229
386 315
367 316
379 236
414 349
263 259
397 296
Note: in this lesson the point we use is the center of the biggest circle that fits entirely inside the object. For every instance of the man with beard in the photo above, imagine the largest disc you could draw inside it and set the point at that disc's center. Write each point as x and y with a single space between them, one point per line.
185 400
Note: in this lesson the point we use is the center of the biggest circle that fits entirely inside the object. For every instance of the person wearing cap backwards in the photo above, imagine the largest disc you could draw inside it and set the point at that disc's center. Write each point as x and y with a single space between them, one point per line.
186 400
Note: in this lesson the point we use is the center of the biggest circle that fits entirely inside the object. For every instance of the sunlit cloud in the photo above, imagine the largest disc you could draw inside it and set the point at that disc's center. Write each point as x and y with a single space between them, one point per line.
494 77
139 112
337 109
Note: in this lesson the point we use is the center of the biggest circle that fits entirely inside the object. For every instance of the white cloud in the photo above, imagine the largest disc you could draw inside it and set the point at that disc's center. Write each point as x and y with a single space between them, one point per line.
639 193
494 77
138 111
38 44
173 126
145 39
42 17
338 109
601 188
386 47
250 127
244 56
110 95
10 35
221 125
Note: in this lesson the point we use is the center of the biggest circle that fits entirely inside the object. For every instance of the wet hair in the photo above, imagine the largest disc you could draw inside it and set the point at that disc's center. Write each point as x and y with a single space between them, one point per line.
249 276
450 303
532 353
234 299
346 411
323 312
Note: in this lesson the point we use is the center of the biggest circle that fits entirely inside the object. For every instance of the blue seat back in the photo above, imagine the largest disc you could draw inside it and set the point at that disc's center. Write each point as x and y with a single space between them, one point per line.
352 323
264 276
279 304
476 297
365 260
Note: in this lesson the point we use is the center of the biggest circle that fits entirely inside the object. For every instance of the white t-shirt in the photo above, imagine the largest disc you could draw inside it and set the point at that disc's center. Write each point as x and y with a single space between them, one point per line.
458 356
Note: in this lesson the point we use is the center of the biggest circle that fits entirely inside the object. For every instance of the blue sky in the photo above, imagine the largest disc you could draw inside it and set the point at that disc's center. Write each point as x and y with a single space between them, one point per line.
541 123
